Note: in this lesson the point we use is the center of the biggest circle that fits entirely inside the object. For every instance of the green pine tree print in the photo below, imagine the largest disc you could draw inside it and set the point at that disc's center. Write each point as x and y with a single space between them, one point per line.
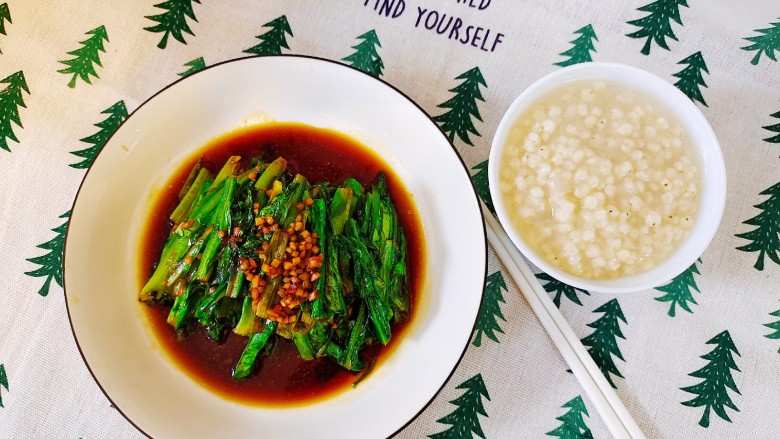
117 113
195 65
3 382
273 41
712 393
379 66
572 423
365 57
5 15
582 46
490 312
86 56
691 77
766 43
680 290
774 326
51 263
481 184
463 106
766 237
774 129
602 343
464 421
11 99
657 26
552 285
173 21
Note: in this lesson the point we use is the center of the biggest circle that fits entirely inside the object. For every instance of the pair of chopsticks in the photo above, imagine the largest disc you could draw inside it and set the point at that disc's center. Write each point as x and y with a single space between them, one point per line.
617 419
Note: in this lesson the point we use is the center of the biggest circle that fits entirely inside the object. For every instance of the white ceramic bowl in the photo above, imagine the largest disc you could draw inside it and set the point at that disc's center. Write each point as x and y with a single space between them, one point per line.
101 251
713 193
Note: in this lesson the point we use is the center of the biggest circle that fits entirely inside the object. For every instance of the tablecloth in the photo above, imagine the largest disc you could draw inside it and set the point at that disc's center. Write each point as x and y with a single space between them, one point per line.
698 357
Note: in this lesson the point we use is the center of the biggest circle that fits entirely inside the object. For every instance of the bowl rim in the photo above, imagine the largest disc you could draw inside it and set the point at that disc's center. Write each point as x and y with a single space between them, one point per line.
464 168
713 171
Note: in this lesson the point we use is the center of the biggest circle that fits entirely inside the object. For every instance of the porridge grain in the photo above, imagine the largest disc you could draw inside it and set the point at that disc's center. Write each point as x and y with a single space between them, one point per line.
600 180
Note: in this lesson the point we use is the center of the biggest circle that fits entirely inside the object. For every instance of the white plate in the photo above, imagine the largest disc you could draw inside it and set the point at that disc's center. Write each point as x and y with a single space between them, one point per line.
102 244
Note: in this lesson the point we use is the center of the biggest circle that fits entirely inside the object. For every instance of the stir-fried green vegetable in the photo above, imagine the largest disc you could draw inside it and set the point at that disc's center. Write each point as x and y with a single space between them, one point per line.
265 254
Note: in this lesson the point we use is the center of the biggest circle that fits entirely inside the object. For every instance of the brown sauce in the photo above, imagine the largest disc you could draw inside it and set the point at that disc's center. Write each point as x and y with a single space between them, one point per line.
281 378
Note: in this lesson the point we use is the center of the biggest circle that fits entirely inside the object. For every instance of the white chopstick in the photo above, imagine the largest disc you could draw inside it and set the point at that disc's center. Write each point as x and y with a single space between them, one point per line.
608 405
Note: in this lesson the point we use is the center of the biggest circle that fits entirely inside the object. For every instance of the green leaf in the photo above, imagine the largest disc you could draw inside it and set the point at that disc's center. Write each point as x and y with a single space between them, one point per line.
273 41
366 57
173 21
602 342
490 312
766 43
679 290
463 107
195 65
86 57
117 113
582 46
51 263
246 363
712 392
765 238
657 25
10 100
464 420
572 423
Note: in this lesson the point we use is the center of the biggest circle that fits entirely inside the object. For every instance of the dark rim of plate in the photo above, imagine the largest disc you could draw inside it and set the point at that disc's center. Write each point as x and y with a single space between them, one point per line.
454 150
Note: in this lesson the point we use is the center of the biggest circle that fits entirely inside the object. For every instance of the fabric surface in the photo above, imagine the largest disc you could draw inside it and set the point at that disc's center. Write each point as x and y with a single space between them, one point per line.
702 362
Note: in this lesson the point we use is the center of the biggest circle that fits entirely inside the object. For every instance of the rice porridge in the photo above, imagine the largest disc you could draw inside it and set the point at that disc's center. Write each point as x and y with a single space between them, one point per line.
600 180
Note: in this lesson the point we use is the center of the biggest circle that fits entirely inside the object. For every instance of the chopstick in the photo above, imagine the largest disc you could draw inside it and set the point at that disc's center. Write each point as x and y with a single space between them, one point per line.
608 405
